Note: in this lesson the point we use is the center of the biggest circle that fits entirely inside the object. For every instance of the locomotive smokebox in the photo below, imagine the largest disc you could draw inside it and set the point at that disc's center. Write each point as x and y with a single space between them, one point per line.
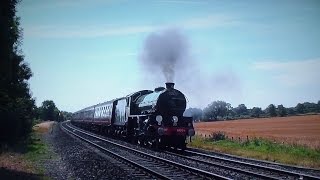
169 85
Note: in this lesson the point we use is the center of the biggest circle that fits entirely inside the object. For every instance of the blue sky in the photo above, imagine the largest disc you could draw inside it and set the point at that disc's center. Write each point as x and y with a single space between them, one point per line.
252 52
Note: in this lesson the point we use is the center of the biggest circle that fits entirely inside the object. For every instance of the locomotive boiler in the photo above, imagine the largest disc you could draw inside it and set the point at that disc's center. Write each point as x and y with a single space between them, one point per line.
152 118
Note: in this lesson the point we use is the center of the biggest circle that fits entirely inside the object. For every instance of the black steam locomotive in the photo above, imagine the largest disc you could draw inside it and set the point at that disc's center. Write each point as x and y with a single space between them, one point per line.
147 117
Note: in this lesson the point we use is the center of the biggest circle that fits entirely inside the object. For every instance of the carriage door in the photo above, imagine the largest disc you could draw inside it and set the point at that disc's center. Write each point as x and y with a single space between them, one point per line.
120 112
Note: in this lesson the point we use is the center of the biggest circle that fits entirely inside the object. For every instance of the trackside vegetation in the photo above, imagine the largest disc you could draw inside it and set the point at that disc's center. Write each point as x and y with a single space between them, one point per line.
261 149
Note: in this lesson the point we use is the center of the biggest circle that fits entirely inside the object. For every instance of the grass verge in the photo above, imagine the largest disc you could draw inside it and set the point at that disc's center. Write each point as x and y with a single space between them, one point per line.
262 149
25 159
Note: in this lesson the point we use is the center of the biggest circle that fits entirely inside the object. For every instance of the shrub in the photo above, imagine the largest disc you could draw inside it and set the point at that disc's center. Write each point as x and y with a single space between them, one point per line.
218 136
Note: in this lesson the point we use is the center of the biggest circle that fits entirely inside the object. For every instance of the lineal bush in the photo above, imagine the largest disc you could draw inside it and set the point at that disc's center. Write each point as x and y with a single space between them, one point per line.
218 136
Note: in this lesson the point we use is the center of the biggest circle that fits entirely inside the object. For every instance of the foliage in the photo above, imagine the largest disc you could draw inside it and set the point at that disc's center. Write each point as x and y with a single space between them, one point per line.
241 109
49 112
300 108
310 107
218 136
256 112
281 110
16 105
291 111
218 110
271 110
215 109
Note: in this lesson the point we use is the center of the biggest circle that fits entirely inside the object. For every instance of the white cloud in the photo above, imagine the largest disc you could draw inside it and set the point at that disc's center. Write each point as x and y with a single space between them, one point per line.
293 73
210 21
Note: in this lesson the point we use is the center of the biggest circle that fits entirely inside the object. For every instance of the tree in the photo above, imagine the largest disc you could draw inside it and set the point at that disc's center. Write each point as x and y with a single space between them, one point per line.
271 110
217 108
256 112
49 111
67 115
241 110
16 104
300 108
291 111
281 110
310 107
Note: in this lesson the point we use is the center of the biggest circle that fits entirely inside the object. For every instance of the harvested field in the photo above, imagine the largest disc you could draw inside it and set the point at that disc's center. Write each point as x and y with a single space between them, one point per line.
301 130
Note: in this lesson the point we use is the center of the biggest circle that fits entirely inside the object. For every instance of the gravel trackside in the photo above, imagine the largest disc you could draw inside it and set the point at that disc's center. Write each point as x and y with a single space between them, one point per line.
76 160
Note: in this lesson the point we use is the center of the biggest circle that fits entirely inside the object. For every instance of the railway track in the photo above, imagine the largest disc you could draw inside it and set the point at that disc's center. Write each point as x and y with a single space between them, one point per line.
266 171
195 165
149 166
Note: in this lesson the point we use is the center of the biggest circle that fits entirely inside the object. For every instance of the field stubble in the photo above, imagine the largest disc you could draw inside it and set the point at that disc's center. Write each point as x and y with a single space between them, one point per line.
295 130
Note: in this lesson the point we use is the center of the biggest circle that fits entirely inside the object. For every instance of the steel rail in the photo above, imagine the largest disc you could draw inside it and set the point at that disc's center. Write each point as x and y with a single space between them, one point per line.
185 167
118 156
224 166
297 175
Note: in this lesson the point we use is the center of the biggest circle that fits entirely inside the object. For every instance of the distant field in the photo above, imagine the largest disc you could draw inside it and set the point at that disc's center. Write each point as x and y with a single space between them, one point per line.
301 130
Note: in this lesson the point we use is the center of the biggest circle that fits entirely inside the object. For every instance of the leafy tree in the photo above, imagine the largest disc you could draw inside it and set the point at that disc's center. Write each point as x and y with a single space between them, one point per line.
281 110
16 105
300 108
215 109
271 110
256 112
241 109
291 111
318 106
310 107
49 111
67 115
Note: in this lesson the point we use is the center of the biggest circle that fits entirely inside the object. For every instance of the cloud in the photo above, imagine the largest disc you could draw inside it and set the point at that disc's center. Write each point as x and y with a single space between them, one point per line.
83 32
50 31
293 73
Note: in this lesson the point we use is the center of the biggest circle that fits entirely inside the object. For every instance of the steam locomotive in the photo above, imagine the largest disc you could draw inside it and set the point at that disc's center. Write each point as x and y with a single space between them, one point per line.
152 118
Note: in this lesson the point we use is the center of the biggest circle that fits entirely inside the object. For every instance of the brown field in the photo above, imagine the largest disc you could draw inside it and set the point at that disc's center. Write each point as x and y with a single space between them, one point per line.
301 130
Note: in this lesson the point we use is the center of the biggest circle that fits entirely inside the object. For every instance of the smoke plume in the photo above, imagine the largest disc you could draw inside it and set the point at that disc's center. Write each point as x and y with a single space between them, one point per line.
164 51
168 54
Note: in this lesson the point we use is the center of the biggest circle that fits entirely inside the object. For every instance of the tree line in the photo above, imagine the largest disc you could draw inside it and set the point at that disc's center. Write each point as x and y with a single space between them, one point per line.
48 111
16 104
17 107
221 110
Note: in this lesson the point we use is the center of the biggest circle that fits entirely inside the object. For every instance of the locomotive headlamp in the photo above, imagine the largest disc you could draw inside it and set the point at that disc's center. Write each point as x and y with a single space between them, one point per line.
175 119
159 119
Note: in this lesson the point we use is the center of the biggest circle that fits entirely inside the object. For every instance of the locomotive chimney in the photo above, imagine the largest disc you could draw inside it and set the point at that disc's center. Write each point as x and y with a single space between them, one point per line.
169 85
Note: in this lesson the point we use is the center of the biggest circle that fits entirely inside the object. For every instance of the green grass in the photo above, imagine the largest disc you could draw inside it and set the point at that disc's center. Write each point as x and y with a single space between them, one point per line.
262 149
37 151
